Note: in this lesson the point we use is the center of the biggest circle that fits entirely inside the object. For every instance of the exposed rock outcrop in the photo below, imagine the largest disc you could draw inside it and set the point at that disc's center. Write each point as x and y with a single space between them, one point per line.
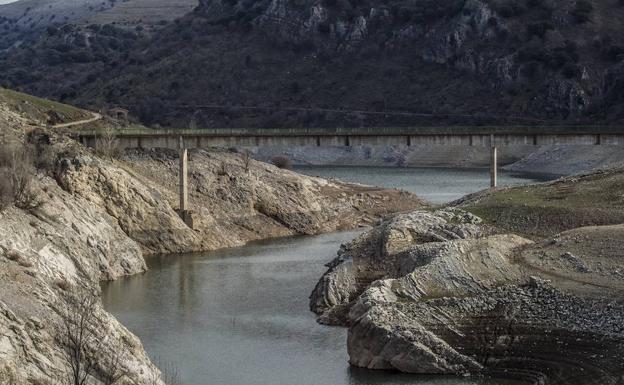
375 254
439 293
513 331
234 203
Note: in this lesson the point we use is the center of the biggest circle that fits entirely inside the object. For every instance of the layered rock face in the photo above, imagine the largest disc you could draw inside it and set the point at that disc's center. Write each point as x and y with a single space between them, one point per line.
385 252
66 243
439 293
532 332
235 203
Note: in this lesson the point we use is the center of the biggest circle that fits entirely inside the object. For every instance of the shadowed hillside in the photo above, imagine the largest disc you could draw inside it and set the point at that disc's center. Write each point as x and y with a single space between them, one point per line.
331 63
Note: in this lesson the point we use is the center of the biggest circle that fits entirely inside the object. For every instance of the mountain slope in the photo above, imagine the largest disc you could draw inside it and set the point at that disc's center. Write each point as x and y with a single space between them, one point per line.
333 62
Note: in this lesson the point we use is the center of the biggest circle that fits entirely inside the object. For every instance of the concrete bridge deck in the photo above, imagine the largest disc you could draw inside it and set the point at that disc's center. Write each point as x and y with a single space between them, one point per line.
487 137
443 136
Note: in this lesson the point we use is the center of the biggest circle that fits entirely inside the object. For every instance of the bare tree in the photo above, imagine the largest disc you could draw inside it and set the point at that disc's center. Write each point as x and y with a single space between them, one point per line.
82 347
17 174
115 371
107 143
246 160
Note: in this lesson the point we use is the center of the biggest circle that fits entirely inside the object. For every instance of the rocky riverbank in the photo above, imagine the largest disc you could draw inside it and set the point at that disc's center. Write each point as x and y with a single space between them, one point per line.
446 292
92 218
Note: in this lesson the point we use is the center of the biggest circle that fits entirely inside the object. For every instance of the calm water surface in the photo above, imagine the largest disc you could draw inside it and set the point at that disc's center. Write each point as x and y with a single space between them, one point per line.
438 185
240 316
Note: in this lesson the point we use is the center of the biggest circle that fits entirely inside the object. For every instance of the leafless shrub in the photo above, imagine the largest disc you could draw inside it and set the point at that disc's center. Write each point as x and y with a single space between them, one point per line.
107 143
115 371
82 347
76 336
6 190
282 161
246 160
17 175
43 152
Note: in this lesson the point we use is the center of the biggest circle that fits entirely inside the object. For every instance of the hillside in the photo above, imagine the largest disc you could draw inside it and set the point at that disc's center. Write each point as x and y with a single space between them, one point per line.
41 13
27 20
332 63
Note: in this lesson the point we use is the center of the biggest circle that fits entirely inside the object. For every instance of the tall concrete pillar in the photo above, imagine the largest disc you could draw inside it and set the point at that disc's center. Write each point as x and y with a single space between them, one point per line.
493 163
183 178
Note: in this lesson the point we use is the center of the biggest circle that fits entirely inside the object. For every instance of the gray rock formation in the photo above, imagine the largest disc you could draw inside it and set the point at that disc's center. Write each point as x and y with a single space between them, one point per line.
437 293
512 331
374 255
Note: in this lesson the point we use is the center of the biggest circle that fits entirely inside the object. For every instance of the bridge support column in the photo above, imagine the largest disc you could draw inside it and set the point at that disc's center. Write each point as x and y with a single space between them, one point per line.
183 180
185 214
493 167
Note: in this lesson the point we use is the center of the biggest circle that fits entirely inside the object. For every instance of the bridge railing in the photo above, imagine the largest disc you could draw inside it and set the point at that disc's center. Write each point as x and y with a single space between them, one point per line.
377 131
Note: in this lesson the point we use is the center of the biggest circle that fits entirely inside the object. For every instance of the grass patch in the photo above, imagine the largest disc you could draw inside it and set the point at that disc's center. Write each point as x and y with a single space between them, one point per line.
546 209
37 107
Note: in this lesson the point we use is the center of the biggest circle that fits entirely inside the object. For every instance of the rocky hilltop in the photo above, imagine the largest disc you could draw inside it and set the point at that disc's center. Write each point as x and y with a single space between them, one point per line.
449 292
83 217
278 63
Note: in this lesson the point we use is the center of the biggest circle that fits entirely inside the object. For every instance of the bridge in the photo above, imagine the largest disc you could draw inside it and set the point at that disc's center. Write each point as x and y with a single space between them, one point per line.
490 138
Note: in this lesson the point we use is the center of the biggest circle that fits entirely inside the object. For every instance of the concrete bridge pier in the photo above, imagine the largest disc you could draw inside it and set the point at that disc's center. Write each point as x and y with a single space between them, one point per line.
493 163
184 212
183 180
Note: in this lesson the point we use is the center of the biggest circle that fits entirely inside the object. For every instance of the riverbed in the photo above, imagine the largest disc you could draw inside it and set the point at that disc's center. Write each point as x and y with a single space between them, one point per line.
240 316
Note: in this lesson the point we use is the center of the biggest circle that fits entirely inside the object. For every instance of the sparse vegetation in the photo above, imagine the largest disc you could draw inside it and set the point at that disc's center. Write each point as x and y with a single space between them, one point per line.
246 160
17 176
551 208
81 346
161 74
107 144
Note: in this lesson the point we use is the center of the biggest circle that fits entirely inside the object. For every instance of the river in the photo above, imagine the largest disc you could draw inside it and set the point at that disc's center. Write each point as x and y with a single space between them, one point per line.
240 316
438 185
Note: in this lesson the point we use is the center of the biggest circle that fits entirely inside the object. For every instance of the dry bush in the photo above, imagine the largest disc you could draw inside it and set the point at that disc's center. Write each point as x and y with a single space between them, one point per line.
77 335
282 161
246 160
107 144
17 174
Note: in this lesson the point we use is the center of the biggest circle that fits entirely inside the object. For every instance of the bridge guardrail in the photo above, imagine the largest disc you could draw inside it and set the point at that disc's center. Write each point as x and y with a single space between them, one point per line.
376 131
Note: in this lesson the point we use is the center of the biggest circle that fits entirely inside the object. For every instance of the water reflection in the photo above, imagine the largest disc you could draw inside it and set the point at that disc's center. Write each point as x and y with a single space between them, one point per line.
240 316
